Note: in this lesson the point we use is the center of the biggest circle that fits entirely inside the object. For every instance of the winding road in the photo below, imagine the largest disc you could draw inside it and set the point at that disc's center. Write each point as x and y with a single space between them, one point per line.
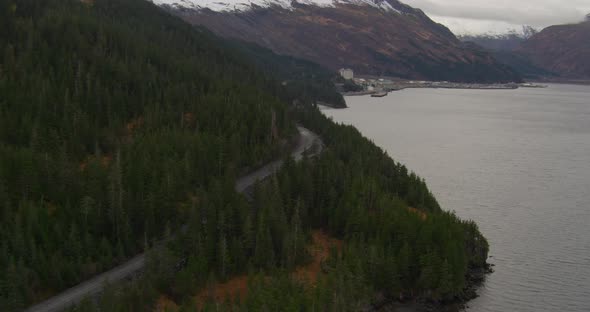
74 295
307 140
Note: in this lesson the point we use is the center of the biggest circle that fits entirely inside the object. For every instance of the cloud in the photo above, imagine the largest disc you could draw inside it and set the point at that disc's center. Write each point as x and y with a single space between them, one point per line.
493 15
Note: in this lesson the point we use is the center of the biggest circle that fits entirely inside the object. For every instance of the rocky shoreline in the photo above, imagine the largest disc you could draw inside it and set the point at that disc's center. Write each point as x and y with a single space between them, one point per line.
475 279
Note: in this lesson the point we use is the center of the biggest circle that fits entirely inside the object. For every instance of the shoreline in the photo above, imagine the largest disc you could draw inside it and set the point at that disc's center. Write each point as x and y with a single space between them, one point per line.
399 86
579 82
437 109
376 84
459 86
452 86
406 302
475 279
382 85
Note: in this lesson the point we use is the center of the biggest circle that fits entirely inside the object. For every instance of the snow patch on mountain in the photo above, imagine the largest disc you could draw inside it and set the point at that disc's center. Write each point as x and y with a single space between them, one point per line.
244 5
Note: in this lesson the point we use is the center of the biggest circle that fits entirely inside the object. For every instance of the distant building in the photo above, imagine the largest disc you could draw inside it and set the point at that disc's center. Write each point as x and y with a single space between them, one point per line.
347 73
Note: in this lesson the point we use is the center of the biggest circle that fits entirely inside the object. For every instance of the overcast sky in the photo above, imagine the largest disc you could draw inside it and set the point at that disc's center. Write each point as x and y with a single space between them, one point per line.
498 16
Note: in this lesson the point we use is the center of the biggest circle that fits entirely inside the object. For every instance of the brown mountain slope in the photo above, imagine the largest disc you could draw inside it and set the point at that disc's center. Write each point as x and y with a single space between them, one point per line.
563 49
403 42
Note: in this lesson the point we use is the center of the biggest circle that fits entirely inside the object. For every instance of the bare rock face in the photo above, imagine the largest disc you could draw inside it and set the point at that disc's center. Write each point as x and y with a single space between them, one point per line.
373 37
563 49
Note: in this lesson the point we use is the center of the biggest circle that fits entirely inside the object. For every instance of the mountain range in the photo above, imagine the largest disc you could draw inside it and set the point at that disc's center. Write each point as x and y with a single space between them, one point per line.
562 49
373 37
556 52
501 42
246 5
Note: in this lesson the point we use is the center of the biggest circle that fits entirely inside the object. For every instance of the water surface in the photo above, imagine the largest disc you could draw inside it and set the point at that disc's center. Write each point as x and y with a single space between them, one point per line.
515 161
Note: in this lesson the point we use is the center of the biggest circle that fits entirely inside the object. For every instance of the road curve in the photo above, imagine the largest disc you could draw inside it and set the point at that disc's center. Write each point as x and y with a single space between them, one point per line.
307 140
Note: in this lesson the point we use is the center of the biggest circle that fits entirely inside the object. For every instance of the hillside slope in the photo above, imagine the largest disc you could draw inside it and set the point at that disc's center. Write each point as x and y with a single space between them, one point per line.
377 37
504 49
563 49
112 114
302 81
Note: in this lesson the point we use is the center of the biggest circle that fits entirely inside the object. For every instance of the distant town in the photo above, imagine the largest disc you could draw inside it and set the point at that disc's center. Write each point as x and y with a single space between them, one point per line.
380 86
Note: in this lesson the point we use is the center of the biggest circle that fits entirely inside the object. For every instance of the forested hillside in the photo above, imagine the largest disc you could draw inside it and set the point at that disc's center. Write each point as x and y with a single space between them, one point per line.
396 242
120 124
112 115
302 80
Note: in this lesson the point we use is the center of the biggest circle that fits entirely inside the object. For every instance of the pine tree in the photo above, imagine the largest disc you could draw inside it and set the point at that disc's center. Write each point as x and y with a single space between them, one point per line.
224 259
445 284
297 239
264 255
428 272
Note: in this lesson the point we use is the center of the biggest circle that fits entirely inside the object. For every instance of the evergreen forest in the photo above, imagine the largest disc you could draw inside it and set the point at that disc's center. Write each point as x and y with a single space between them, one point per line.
123 130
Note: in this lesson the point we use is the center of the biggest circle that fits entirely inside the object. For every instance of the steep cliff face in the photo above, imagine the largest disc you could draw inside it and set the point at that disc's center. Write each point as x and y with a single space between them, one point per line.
563 49
376 37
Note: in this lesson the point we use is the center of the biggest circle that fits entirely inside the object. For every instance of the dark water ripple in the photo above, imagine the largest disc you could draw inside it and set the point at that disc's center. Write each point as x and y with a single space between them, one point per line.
516 162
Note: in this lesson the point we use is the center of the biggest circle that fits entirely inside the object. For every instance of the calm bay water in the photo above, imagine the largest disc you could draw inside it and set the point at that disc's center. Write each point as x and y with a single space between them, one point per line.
515 161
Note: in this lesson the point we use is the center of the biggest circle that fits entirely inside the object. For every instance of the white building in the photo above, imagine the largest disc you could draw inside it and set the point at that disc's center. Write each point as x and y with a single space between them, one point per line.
347 73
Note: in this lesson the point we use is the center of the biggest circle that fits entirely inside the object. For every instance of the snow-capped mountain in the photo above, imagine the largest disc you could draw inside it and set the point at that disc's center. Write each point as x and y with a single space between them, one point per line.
244 5
502 42
376 37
